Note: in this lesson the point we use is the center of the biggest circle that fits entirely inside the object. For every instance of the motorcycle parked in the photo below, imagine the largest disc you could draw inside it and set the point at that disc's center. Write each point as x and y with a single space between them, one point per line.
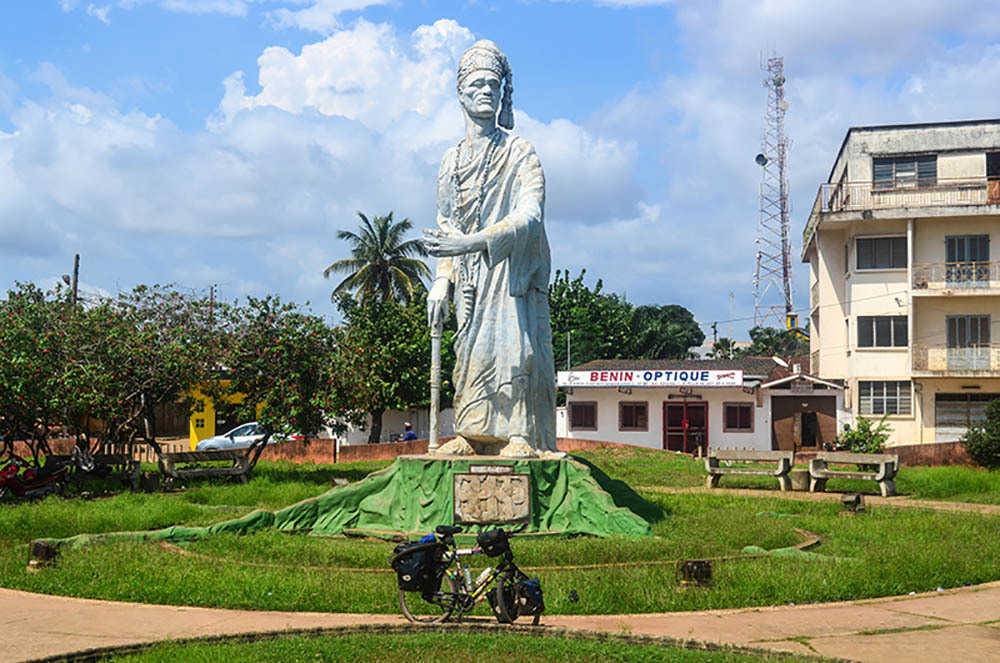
25 480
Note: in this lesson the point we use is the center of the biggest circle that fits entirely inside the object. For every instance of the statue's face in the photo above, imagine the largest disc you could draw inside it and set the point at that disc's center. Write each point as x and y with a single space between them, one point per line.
480 93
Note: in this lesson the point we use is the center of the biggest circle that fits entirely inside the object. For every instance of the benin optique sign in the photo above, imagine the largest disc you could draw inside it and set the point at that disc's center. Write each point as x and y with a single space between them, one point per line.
651 378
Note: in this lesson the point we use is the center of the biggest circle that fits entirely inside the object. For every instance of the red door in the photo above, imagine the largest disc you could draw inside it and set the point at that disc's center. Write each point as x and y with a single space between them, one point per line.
685 426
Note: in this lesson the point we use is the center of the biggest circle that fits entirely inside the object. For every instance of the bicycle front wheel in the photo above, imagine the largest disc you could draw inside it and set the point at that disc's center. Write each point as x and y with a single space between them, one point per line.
436 612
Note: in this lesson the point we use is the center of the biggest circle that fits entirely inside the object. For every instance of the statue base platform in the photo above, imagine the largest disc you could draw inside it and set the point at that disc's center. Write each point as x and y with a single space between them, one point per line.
417 493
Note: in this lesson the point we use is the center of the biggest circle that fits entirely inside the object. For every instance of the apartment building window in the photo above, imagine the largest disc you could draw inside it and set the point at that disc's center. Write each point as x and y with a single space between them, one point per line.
967 258
884 397
583 415
633 416
967 331
968 339
738 418
881 252
903 172
882 331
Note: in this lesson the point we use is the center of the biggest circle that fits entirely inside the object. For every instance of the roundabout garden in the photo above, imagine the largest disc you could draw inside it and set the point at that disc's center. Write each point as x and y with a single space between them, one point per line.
766 548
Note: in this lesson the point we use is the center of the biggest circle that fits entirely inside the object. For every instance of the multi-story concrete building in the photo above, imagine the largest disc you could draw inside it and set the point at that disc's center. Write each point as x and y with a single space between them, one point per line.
904 293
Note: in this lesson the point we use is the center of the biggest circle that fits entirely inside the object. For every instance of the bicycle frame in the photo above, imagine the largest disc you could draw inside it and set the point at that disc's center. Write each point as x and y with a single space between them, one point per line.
476 593
466 598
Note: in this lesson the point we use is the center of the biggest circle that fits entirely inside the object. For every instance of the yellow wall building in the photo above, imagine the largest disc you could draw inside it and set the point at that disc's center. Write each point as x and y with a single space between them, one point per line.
904 294
208 419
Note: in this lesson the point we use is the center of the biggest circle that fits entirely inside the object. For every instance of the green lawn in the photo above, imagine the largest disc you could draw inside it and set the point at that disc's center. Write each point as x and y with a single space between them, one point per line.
648 467
886 551
456 647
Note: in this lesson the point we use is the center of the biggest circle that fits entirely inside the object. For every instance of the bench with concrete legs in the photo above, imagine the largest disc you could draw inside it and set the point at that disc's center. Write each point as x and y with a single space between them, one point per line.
820 472
239 459
783 459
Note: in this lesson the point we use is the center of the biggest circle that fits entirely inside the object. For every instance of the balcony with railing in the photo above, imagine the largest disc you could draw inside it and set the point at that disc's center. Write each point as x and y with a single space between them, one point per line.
814 363
941 359
814 296
897 194
952 276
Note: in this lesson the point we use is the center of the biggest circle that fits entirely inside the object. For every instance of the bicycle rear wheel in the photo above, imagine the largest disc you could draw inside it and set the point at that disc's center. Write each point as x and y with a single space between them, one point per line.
439 612
504 601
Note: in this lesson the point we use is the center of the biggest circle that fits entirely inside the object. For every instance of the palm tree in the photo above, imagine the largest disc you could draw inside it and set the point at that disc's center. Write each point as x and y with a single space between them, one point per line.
381 264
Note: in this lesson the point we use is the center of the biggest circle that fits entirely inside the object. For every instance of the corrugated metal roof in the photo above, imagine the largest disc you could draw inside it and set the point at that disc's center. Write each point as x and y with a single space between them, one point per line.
749 365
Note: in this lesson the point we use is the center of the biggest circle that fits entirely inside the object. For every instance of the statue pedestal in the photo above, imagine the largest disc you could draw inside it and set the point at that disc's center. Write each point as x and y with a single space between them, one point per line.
417 493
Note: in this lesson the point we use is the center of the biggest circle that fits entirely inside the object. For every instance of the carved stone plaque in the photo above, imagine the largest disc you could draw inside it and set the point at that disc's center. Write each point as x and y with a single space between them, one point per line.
492 498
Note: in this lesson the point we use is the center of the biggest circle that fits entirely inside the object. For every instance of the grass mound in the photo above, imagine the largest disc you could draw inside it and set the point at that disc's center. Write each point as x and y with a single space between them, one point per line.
459 647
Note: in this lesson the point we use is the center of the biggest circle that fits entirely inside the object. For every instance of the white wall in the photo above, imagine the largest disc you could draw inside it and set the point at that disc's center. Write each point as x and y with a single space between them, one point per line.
608 398
392 424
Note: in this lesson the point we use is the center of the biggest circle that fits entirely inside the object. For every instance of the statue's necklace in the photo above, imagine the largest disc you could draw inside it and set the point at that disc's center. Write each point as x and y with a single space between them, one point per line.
470 223
468 264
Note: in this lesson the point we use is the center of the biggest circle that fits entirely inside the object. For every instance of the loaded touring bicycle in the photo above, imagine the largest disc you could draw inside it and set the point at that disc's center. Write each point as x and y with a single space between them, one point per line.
433 570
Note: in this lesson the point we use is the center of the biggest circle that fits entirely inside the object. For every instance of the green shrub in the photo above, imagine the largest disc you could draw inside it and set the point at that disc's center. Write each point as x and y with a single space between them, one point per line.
982 443
866 437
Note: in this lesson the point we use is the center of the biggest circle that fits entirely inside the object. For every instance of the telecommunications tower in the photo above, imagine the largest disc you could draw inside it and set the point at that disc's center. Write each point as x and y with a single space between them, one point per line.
772 280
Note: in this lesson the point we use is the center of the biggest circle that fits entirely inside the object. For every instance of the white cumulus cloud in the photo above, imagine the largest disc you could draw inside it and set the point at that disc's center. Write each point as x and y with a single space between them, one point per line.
357 121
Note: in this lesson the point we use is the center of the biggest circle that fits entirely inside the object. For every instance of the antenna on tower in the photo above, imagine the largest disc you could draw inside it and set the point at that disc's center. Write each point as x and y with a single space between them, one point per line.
772 280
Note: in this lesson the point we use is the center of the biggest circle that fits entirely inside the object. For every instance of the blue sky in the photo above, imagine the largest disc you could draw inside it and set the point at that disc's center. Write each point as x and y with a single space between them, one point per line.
225 142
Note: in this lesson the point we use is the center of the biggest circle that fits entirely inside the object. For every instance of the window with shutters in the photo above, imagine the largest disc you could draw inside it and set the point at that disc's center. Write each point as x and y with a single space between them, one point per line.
967 259
738 418
882 331
884 397
881 252
904 172
633 416
583 415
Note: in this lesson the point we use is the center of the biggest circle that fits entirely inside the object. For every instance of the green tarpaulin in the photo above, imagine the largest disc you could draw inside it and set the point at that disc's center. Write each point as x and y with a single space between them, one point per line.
413 496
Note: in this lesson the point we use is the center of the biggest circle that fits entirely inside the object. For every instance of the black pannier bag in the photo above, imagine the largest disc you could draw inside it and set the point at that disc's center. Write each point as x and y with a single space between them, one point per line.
529 597
494 542
419 566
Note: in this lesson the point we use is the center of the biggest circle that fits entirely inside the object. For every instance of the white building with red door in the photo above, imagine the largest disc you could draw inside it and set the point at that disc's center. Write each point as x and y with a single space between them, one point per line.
681 405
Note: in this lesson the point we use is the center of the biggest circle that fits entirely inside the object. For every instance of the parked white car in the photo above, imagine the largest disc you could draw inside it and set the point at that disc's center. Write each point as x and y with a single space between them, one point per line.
242 436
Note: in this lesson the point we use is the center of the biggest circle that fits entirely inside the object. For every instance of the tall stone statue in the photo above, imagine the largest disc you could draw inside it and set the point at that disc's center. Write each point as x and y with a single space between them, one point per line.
493 266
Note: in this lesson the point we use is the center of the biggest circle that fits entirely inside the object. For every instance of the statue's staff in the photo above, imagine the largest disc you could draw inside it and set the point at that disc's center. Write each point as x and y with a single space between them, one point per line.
433 444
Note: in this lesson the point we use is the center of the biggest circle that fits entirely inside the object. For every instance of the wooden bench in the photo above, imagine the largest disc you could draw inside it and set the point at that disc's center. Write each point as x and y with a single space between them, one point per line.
784 460
820 472
239 467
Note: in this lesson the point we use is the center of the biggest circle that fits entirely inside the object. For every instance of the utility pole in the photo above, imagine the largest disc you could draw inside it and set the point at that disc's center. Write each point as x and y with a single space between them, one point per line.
732 305
76 277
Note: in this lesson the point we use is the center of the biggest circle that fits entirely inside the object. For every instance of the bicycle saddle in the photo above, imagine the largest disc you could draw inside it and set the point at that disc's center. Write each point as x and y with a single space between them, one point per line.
447 530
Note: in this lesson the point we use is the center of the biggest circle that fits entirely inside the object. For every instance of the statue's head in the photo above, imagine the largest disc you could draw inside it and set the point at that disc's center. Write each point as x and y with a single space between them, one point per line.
481 71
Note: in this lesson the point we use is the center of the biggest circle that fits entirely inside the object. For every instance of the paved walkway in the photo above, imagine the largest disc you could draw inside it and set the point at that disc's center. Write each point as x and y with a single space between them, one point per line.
961 624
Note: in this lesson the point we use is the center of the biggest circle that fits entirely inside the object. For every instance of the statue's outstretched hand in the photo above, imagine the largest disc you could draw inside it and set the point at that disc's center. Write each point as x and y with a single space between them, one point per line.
444 243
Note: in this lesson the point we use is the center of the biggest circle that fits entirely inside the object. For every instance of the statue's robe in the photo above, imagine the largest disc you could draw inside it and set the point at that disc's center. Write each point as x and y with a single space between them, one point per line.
504 372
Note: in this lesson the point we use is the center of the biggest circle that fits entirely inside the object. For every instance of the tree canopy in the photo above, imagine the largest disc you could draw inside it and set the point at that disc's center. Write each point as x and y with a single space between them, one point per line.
770 341
381 265
606 326
383 359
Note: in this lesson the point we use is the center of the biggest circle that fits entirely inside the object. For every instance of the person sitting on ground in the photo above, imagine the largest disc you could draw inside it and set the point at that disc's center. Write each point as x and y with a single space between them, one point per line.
409 435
